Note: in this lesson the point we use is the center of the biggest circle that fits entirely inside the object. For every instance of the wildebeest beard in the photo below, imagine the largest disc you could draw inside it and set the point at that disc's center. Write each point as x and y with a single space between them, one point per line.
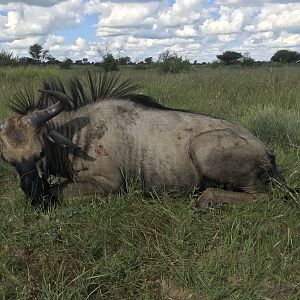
35 187
58 162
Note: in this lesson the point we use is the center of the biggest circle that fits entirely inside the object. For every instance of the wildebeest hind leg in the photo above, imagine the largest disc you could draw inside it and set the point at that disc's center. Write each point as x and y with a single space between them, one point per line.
214 196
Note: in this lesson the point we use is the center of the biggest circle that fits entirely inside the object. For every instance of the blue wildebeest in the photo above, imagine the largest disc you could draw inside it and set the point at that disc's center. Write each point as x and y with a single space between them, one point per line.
101 133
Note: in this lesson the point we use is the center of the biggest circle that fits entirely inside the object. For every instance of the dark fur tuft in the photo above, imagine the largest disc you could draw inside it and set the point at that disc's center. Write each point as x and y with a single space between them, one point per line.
23 102
146 101
91 88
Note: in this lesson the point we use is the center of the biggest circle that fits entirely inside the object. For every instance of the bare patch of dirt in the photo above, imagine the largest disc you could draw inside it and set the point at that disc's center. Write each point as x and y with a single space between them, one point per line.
280 291
169 290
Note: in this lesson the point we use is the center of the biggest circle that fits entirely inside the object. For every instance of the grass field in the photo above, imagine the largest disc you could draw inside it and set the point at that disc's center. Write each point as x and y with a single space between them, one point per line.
132 247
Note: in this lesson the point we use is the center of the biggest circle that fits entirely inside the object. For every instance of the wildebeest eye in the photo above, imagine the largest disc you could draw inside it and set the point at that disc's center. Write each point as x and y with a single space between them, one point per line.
17 136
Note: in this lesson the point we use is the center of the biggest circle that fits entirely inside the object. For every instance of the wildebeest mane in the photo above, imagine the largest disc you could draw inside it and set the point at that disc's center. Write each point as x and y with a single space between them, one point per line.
87 90
23 102
90 89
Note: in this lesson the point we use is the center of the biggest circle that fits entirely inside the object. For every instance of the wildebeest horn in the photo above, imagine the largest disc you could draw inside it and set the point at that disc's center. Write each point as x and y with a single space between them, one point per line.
61 140
42 116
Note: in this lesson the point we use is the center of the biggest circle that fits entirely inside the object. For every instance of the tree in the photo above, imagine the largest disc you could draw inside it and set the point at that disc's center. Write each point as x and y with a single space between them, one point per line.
149 60
85 61
126 60
229 57
52 60
247 60
45 56
24 60
172 62
286 56
109 63
38 54
35 51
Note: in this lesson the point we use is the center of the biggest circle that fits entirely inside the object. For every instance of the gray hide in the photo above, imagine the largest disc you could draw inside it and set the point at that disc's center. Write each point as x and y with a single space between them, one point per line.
169 149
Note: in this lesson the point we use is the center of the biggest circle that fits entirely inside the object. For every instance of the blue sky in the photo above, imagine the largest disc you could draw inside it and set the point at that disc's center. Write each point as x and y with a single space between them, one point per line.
85 29
195 29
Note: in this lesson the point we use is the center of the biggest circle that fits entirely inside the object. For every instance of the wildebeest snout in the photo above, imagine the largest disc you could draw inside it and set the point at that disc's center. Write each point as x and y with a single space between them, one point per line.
34 185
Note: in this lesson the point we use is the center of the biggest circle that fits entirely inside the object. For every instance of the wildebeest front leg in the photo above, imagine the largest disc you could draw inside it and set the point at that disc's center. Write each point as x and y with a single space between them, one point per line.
213 196
98 184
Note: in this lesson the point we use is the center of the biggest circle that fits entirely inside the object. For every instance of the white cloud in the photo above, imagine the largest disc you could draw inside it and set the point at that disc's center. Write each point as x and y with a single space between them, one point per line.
80 45
22 21
186 31
239 3
54 40
120 18
183 12
34 2
227 37
60 50
275 17
284 40
22 44
230 21
147 27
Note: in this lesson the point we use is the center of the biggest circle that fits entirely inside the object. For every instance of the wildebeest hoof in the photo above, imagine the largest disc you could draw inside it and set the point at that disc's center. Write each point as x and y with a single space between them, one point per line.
204 207
205 201
200 210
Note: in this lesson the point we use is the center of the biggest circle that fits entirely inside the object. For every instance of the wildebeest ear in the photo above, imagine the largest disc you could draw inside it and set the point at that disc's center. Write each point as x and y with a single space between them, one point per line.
57 138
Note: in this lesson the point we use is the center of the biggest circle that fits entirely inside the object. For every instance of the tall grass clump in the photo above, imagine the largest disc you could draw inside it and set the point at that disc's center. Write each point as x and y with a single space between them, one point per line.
66 64
275 125
8 59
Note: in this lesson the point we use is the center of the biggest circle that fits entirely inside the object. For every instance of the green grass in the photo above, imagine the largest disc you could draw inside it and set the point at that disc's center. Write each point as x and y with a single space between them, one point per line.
128 246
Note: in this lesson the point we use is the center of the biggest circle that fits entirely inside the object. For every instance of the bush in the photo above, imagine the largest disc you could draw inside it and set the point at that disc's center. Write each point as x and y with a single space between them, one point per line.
172 63
109 63
8 59
66 64
247 61
216 64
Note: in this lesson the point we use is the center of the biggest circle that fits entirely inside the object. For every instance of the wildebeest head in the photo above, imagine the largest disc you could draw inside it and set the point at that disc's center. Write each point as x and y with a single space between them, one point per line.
22 140
38 145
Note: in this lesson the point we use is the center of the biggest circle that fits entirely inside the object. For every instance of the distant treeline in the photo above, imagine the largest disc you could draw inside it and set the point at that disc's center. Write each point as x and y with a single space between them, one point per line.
167 61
